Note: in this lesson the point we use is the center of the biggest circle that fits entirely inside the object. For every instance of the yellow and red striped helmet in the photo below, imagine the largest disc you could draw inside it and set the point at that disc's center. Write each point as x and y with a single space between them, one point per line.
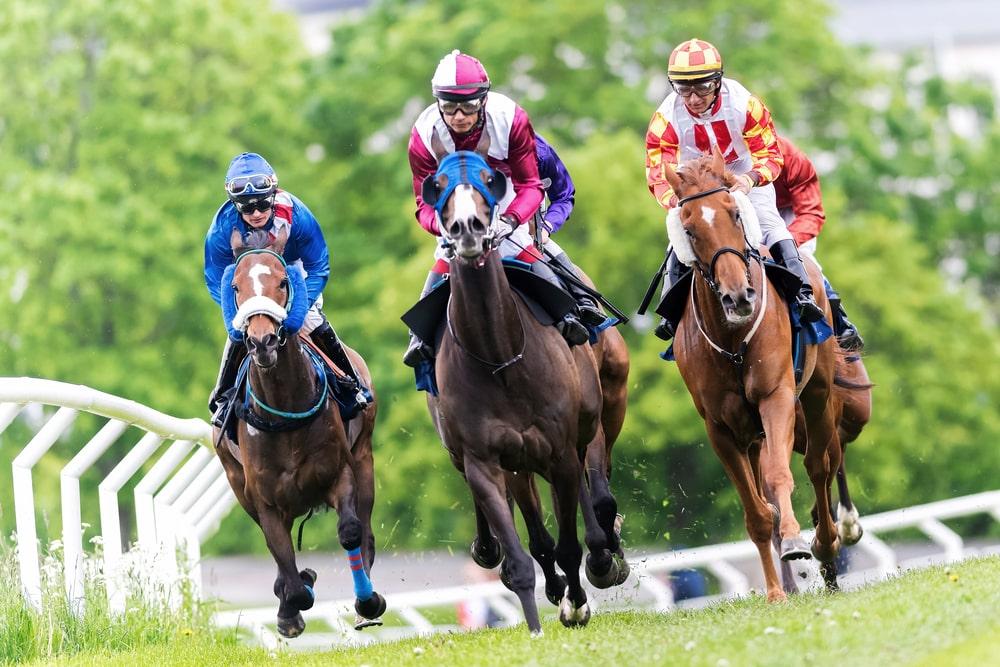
694 59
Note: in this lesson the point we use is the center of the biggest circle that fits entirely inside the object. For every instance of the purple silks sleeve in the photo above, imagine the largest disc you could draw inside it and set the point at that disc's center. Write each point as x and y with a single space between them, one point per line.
561 191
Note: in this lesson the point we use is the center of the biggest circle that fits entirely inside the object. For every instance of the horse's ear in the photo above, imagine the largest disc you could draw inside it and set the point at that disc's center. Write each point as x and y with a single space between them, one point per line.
429 190
497 183
672 177
718 162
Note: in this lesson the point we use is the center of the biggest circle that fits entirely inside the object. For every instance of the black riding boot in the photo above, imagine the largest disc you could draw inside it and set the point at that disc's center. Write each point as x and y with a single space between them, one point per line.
418 350
666 329
847 333
590 312
787 255
326 339
232 356
570 326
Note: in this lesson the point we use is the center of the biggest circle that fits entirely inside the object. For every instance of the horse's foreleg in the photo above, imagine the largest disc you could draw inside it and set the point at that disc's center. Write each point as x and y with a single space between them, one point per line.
778 413
292 588
350 532
540 542
567 477
364 477
758 514
487 484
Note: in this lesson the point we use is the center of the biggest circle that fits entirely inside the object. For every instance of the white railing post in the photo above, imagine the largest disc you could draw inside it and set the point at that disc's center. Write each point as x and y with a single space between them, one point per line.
24 502
69 483
944 536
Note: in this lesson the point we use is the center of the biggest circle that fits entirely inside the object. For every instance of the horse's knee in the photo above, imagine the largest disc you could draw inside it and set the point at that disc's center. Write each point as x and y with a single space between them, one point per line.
349 532
520 571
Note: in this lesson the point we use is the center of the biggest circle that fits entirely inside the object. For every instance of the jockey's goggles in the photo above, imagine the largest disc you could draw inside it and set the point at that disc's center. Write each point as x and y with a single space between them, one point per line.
255 183
702 89
255 205
468 107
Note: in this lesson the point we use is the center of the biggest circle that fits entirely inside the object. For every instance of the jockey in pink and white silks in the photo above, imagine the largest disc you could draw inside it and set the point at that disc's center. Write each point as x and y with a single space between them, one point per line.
257 215
466 115
705 111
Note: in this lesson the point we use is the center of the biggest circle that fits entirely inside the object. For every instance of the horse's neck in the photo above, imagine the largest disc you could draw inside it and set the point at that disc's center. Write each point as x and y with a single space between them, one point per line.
289 385
483 311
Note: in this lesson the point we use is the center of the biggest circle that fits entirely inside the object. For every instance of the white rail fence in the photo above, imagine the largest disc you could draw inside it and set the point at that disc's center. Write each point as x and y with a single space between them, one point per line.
179 500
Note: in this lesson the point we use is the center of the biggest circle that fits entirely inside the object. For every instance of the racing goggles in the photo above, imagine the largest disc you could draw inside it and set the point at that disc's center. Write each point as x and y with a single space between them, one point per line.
254 183
249 207
468 107
702 89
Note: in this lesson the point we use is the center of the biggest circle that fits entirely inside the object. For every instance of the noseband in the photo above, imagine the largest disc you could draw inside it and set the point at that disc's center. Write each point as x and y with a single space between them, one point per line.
708 271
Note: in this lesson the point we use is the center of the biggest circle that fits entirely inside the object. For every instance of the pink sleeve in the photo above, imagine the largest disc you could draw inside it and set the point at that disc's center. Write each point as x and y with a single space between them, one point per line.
523 168
422 164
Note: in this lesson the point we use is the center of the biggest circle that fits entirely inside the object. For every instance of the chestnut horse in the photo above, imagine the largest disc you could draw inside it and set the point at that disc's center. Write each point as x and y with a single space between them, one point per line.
514 400
296 453
733 349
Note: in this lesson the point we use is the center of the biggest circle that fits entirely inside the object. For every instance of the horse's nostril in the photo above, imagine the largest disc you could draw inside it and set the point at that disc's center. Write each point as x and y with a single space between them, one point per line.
751 294
728 301
455 229
477 226
269 340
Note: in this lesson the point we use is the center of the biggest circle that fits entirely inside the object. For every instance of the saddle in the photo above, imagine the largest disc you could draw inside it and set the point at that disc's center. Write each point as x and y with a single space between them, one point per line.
673 303
427 318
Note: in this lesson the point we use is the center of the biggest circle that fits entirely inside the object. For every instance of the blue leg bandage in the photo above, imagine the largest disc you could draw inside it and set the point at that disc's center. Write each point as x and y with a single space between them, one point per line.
362 584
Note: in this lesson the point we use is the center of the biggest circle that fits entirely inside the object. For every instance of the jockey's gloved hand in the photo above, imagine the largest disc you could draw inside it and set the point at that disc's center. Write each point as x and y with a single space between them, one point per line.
744 183
506 224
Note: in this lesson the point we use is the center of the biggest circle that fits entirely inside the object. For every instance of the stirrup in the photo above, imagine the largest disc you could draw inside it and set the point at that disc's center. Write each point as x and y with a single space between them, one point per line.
664 330
573 331
591 316
417 351
809 311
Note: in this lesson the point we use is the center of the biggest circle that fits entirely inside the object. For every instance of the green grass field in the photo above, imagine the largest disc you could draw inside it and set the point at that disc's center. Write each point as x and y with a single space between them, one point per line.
934 617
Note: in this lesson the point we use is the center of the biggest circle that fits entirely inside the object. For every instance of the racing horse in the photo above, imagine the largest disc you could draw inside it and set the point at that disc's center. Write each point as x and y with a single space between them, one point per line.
293 452
513 400
733 349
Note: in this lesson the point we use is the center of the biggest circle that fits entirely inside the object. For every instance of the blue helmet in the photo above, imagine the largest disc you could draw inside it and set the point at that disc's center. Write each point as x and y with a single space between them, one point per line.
250 177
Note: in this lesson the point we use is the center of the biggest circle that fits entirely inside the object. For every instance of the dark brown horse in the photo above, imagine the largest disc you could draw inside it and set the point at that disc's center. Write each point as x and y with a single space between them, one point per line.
515 401
296 453
733 349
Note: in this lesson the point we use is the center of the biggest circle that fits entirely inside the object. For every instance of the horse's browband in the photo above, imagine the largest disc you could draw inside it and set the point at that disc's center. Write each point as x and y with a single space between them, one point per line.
699 195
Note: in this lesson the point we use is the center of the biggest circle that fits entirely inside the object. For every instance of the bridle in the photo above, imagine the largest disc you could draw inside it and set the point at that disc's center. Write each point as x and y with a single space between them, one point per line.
708 271
708 274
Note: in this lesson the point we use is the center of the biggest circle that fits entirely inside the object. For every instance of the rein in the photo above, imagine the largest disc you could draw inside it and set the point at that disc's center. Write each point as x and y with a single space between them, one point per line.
497 367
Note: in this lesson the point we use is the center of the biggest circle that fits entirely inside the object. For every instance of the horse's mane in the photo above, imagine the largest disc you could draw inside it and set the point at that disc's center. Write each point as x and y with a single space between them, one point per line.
698 171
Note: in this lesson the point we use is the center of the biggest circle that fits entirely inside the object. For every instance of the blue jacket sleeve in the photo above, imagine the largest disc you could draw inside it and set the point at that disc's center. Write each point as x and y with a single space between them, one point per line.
312 249
218 252
561 192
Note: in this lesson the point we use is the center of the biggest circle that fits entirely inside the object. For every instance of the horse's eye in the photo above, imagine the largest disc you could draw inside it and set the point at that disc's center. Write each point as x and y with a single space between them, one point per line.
235 288
284 283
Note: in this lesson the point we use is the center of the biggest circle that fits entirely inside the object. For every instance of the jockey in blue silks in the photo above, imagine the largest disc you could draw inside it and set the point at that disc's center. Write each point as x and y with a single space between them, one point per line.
259 215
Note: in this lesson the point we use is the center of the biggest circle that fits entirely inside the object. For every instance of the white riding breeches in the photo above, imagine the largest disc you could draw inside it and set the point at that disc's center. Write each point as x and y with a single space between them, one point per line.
772 226
314 317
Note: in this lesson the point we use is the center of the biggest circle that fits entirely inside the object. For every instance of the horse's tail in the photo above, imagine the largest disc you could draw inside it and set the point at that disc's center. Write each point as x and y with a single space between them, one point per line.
847 384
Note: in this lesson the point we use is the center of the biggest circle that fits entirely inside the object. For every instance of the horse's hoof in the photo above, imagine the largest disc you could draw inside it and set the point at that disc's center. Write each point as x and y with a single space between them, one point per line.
371 608
572 616
486 558
360 622
615 575
794 548
505 577
823 553
291 627
829 571
849 526
555 589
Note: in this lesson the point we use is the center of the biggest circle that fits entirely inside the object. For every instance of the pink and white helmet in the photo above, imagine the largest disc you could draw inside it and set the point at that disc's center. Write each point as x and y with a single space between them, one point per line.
460 77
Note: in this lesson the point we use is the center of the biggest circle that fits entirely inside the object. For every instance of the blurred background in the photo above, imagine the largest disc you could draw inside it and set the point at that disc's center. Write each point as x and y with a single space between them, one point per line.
118 120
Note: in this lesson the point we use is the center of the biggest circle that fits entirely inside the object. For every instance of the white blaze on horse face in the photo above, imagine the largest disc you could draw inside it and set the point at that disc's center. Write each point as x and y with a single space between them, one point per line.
708 215
465 203
256 271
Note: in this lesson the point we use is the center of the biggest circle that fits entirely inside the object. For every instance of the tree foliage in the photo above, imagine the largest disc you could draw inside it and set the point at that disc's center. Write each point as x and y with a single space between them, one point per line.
126 117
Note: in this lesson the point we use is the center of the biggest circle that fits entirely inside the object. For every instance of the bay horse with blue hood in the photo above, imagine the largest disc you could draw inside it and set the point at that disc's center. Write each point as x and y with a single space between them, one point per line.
733 349
513 400
293 451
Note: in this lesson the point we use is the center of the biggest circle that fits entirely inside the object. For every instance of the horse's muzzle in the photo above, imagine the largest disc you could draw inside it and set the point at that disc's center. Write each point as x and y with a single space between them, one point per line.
264 350
738 309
